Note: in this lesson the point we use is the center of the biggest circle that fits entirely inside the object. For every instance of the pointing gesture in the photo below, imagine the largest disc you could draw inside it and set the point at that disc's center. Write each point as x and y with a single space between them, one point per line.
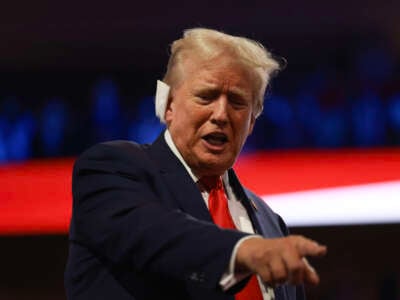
280 260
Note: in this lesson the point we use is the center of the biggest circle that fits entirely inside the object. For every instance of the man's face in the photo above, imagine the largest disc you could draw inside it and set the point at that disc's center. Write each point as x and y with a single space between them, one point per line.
210 114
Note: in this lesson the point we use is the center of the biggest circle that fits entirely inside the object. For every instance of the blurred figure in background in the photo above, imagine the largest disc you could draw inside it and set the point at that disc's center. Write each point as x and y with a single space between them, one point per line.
17 130
107 122
146 126
53 126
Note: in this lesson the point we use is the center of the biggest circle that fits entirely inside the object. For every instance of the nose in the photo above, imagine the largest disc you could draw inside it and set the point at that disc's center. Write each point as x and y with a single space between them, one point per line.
220 111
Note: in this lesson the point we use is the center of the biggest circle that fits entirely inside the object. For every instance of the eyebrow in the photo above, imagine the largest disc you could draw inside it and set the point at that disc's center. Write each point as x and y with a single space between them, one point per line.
235 91
240 92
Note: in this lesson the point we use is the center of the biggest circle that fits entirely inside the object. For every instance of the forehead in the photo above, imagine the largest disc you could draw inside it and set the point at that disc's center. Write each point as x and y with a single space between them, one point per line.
218 73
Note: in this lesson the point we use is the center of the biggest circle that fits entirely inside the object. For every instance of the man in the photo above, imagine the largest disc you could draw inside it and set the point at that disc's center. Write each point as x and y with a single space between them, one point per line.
171 220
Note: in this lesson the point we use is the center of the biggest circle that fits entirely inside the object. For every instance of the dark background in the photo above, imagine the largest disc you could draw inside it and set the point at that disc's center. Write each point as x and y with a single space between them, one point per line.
88 71
65 55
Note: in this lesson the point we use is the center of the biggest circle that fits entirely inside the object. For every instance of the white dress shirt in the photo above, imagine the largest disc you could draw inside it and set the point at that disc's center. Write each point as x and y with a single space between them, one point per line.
239 217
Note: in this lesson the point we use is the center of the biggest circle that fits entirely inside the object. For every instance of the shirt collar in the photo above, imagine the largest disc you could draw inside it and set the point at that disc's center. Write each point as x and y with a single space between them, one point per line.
172 146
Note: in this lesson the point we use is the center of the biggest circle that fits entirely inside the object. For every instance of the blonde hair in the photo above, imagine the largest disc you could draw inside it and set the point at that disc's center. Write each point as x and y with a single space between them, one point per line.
207 44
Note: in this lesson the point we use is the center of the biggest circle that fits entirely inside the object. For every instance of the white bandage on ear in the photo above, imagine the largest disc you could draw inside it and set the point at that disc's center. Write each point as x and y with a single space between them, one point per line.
162 94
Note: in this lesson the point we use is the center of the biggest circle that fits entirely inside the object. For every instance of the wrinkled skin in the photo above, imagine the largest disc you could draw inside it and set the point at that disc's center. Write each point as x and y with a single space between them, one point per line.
210 114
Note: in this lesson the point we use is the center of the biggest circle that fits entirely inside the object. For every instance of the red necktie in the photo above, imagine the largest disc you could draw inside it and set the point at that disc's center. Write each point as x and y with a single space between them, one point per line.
218 206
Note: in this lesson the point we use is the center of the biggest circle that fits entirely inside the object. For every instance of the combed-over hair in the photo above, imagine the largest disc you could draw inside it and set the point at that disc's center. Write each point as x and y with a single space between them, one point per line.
207 44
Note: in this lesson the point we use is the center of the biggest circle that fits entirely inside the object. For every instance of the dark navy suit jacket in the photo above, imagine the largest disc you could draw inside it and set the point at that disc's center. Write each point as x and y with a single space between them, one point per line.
140 228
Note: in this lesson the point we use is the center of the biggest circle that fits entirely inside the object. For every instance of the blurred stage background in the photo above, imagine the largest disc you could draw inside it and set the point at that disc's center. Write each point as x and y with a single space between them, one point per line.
325 153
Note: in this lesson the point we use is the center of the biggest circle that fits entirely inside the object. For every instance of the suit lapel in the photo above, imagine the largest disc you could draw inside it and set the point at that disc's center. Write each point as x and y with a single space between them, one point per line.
184 191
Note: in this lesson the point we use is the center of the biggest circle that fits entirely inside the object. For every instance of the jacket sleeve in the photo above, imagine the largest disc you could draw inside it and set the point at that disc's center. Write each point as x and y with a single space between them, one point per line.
117 215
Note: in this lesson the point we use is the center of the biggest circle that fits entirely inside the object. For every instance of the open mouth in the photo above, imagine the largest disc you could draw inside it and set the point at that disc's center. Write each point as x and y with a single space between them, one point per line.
216 138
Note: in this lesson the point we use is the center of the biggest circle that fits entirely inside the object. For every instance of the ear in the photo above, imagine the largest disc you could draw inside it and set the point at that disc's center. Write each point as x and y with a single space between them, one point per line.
169 110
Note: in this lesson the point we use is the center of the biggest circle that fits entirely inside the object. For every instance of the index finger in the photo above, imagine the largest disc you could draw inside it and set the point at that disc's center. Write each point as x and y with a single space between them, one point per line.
308 247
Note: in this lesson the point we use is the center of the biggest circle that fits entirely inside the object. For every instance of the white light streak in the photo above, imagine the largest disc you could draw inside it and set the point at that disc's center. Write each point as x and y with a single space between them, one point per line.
374 203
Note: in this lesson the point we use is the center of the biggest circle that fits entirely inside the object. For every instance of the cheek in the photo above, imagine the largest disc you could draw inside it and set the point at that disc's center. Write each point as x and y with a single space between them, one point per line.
179 114
196 116
243 129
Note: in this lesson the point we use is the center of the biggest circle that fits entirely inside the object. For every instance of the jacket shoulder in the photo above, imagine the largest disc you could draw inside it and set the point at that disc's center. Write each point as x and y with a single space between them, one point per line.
121 148
115 155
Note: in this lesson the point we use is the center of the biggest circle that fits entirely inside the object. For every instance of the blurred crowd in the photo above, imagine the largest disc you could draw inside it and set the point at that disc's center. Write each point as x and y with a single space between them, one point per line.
328 107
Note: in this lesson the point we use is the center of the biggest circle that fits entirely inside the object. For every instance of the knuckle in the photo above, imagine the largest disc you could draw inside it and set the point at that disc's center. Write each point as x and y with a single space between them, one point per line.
301 238
259 255
297 274
289 244
297 266
280 276
265 276
278 271
296 278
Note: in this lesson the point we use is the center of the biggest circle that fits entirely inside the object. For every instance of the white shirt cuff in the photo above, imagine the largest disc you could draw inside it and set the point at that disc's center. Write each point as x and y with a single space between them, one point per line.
231 277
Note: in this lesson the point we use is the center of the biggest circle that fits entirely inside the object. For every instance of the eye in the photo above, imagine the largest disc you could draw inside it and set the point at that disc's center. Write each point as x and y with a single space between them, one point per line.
208 95
238 102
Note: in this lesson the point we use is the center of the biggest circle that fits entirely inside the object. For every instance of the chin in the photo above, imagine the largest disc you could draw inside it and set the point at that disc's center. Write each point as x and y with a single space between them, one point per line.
215 167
